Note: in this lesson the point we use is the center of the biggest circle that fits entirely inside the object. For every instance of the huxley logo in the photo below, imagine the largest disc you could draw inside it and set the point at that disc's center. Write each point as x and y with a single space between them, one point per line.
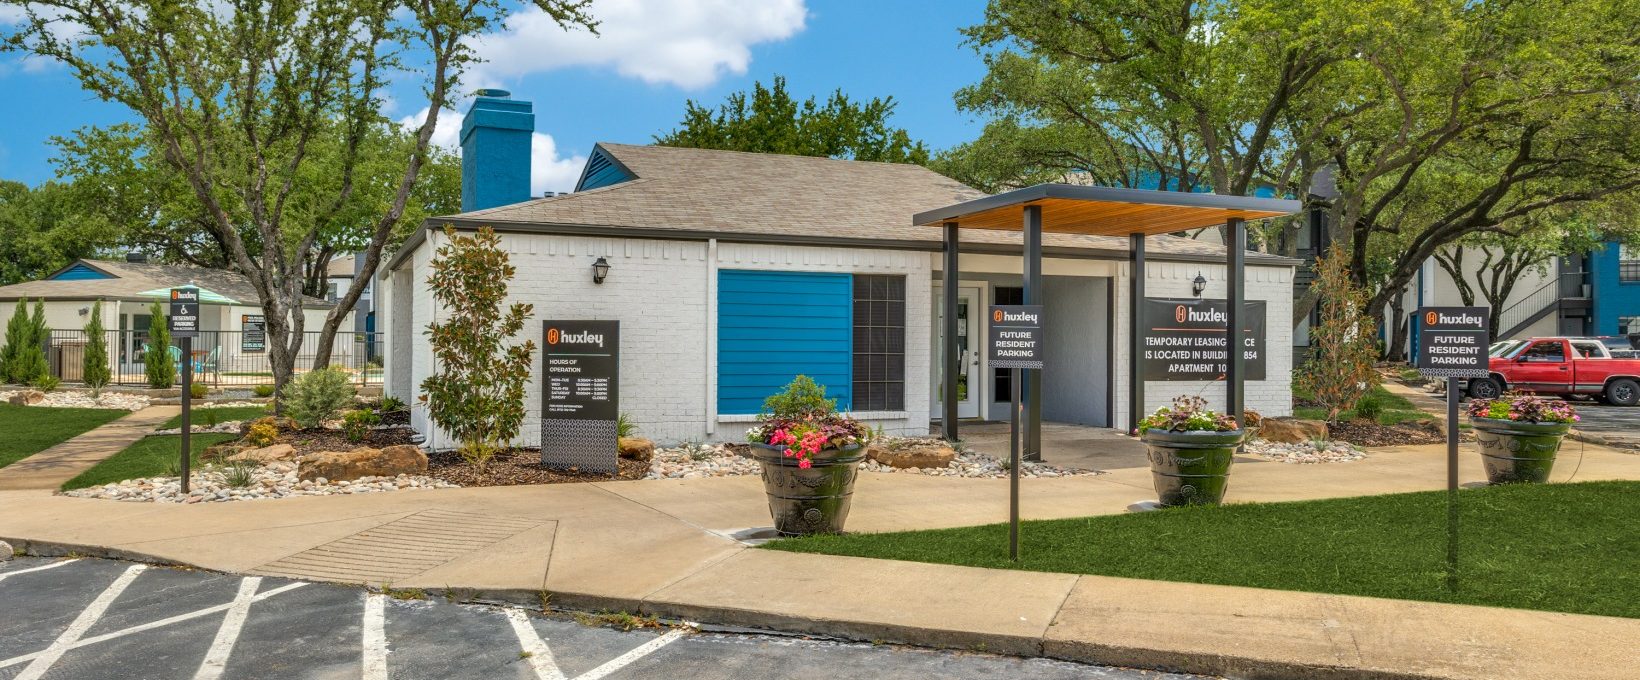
1002 316
1434 318
555 336
1183 314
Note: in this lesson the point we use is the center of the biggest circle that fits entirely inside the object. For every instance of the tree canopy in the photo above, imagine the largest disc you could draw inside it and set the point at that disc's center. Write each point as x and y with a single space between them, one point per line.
769 120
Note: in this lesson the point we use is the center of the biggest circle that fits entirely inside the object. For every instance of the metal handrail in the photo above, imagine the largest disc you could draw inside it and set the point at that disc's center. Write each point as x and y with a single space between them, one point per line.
1549 293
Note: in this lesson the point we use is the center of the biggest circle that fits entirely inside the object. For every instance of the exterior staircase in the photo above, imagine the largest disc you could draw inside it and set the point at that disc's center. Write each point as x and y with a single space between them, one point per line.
1565 295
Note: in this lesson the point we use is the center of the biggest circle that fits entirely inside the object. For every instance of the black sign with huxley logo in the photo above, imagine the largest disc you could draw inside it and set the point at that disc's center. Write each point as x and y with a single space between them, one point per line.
184 317
1184 339
1015 336
1452 342
580 394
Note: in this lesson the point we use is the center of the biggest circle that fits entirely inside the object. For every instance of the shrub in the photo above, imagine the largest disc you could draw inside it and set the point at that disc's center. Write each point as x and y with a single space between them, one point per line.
801 398
392 404
262 433
624 427
45 382
1343 346
477 395
24 357
94 365
262 391
1369 408
197 390
240 474
18 333
156 362
356 424
316 396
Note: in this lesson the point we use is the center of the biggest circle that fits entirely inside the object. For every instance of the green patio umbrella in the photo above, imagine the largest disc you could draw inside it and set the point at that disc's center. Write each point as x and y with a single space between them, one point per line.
205 296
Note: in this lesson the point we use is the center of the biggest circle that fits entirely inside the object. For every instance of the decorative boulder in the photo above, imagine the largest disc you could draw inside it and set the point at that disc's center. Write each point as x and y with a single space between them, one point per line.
27 398
222 451
1292 430
346 466
931 455
266 454
636 448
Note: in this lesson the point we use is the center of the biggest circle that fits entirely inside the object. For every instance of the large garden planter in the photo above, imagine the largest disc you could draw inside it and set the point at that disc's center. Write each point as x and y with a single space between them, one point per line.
1518 452
811 500
1191 468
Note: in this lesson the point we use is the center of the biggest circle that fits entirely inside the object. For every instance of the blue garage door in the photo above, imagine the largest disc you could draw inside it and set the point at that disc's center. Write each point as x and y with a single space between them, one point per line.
773 326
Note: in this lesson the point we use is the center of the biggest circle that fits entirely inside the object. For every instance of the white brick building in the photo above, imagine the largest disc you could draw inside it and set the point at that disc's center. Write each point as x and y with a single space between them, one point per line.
711 253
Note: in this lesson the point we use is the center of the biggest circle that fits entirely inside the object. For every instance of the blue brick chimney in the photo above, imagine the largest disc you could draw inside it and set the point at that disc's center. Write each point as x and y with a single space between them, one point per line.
495 151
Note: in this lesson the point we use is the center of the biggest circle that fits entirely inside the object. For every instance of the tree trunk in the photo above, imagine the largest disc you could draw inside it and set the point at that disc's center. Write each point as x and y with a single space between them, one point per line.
1398 327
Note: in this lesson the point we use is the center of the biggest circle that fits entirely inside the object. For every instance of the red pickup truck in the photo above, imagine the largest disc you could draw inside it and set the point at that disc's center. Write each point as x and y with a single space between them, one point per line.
1563 366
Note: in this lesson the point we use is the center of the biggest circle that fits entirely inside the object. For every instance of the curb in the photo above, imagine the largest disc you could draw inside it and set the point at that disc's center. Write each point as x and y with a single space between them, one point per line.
756 621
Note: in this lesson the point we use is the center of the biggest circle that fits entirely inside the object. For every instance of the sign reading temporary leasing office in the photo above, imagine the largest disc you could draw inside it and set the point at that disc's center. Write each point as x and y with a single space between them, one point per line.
580 394
184 318
253 335
1452 342
1015 336
1184 339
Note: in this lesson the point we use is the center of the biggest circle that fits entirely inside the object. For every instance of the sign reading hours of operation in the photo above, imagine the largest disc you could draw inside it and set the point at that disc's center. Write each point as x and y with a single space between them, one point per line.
1015 336
580 394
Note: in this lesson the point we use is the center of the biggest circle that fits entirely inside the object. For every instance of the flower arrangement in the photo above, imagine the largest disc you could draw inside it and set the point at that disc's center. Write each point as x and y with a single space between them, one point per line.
1524 408
804 422
1187 414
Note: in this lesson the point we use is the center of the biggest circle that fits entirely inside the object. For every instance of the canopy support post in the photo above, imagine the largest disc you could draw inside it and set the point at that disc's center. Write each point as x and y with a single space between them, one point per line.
1033 296
1136 331
1235 374
948 419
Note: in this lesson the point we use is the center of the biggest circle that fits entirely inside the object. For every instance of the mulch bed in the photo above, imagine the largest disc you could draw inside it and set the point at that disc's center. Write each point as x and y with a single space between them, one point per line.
519 466
1367 433
310 441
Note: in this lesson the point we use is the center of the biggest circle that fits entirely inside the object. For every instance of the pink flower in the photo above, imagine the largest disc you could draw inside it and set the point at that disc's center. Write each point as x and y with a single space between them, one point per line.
805 464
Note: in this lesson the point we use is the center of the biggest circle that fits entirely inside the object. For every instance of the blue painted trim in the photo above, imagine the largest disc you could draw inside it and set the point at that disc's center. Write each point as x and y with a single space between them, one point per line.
79 272
602 170
774 326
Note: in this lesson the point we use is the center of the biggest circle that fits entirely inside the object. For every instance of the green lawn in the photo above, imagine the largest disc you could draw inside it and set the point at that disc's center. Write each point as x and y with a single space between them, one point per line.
212 416
149 457
1557 547
32 429
1396 408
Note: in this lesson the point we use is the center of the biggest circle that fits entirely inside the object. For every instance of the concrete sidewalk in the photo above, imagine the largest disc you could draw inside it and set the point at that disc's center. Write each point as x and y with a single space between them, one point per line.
48 469
664 547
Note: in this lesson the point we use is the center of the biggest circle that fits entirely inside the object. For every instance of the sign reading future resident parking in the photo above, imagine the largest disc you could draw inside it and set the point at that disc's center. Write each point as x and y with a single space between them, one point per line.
580 394
1184 339
1015 336
1452 342
253 335
184 318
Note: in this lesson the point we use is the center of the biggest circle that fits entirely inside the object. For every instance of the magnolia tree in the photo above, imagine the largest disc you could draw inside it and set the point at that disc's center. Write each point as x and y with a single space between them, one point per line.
477 392
1344 345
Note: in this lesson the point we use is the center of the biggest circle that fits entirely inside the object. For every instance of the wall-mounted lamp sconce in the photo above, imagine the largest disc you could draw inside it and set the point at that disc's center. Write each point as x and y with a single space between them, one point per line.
600 269
85 311
1199 285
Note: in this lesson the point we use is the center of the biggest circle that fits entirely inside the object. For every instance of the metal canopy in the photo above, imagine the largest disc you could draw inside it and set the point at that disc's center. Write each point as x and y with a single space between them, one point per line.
1105 211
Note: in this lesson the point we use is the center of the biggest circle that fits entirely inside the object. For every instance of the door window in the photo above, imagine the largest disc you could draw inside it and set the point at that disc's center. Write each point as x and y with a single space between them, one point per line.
1548 350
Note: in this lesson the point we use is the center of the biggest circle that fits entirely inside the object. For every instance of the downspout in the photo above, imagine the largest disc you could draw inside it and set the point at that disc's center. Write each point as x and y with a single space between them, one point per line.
711 335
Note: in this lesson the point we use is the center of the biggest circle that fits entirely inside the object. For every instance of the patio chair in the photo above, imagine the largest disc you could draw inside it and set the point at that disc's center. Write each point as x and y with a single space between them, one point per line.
208 364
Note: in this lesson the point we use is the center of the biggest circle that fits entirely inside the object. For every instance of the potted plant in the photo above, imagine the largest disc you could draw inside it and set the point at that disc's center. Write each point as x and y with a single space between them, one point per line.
1519 435
1190 447
810 455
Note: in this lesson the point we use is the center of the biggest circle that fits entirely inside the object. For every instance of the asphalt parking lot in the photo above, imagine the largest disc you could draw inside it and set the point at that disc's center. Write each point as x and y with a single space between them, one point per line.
92 619
1618 425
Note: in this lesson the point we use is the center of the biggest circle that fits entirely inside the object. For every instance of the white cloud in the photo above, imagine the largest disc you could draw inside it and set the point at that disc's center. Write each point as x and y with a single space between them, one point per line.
548 170
687 43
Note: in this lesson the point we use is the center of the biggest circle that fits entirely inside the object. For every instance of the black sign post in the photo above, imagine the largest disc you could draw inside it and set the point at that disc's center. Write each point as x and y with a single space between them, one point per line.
1015 343
183 323
580 395
1452 344
1184 339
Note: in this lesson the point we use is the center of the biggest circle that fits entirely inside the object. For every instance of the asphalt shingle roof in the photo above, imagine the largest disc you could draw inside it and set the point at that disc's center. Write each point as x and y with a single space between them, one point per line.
132 278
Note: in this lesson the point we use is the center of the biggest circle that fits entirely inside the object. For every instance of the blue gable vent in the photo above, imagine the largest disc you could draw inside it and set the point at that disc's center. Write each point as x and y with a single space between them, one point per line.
773 326
79 272
601 171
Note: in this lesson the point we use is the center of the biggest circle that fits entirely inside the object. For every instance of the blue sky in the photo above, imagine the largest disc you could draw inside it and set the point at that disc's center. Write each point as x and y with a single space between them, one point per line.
632 82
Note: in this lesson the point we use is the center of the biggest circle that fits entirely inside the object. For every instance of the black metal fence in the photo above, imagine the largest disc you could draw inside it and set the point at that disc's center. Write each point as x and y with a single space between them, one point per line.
217 358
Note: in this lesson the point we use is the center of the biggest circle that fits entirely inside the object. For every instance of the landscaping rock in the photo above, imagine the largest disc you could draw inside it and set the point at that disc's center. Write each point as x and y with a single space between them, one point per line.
343 466
266 454
6 551
1292 430
274 480
27 398
907 457
636 448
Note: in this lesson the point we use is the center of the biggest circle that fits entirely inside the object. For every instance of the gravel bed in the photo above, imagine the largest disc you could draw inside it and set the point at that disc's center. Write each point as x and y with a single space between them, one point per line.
275 480
83 399
515 467
1333 451
716 460
975 465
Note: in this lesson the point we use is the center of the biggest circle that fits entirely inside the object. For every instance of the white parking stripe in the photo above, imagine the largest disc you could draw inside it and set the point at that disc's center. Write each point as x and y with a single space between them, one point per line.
626 659
216 660
151 625
375 636
53 565
81 623
535 649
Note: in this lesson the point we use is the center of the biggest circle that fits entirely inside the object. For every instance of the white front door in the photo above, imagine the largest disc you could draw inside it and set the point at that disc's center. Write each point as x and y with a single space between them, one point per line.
969 344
